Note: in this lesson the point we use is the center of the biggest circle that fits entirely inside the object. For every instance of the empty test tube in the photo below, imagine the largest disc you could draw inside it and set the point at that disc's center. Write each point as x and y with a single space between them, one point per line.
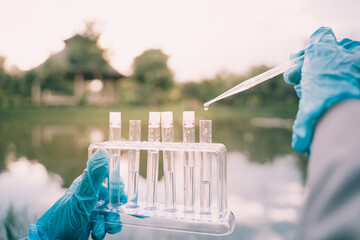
167 133
205 168
114 164
189 160
134 157
152 161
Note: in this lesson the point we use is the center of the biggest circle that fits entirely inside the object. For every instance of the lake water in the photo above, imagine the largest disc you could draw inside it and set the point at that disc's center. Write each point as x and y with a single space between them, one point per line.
39 160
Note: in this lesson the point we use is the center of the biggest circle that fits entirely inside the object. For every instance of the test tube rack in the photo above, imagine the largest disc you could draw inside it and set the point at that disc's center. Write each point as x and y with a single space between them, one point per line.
203 208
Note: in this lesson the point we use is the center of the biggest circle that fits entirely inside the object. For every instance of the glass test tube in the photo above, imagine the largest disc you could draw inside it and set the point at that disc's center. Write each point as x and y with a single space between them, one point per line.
114 164
205 168
189 161
167 133
134 157
152 161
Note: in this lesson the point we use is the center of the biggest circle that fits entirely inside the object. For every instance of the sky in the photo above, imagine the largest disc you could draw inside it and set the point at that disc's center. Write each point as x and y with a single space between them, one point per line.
202 37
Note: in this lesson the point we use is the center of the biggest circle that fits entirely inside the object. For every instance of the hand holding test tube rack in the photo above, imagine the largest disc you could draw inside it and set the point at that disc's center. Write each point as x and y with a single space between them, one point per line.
203 208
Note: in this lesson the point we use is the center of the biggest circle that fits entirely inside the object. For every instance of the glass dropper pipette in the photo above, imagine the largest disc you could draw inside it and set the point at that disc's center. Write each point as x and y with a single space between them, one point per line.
255 80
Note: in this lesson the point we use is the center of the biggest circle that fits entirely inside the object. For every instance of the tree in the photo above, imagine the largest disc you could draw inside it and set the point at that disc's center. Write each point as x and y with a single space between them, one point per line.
81 57
154 78
4 79
13 88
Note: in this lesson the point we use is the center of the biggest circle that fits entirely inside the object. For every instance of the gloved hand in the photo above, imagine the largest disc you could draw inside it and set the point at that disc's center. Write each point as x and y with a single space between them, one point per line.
69 217
329 74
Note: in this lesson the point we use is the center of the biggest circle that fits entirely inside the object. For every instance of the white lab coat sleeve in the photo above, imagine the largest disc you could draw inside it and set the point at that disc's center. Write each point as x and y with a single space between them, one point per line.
332 196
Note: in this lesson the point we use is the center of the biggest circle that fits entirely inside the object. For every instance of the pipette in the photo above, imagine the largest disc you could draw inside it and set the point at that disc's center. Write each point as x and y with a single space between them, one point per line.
255 80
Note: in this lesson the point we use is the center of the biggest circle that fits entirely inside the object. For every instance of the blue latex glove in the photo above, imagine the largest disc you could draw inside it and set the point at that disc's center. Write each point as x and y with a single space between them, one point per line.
329 74
69 217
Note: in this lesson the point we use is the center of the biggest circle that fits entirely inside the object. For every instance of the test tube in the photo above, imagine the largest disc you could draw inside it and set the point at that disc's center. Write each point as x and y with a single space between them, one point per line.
152 161
134 157
167 133
205 168
114 164
189 161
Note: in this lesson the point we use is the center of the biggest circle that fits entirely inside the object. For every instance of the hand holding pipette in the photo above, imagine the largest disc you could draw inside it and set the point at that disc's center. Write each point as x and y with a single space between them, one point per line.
329 74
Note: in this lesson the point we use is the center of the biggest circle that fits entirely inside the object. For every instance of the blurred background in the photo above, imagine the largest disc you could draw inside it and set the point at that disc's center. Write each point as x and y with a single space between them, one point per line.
65 64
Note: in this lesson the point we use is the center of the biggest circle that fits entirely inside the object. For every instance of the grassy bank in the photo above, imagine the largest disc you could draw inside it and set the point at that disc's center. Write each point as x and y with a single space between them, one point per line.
80 114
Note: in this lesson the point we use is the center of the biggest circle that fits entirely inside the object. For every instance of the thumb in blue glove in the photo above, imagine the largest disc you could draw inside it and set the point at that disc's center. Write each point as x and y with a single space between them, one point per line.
69 217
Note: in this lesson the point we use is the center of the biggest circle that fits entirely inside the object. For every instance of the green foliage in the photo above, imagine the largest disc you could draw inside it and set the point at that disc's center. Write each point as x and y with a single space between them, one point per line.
84 56
14 89
52 76
81 56
153 76
129 92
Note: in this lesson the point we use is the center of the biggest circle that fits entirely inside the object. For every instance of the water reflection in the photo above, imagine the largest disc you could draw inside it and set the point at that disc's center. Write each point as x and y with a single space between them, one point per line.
61 148
28 190
48 133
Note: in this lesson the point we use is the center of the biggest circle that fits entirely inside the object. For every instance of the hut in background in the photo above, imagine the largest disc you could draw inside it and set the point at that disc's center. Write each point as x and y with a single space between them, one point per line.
77 74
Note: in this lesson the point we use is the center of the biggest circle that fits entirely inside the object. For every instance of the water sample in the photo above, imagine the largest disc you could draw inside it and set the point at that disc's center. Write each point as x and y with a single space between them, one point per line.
114 163
152 161
134 158
189 161
167 133
220 221
205 168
